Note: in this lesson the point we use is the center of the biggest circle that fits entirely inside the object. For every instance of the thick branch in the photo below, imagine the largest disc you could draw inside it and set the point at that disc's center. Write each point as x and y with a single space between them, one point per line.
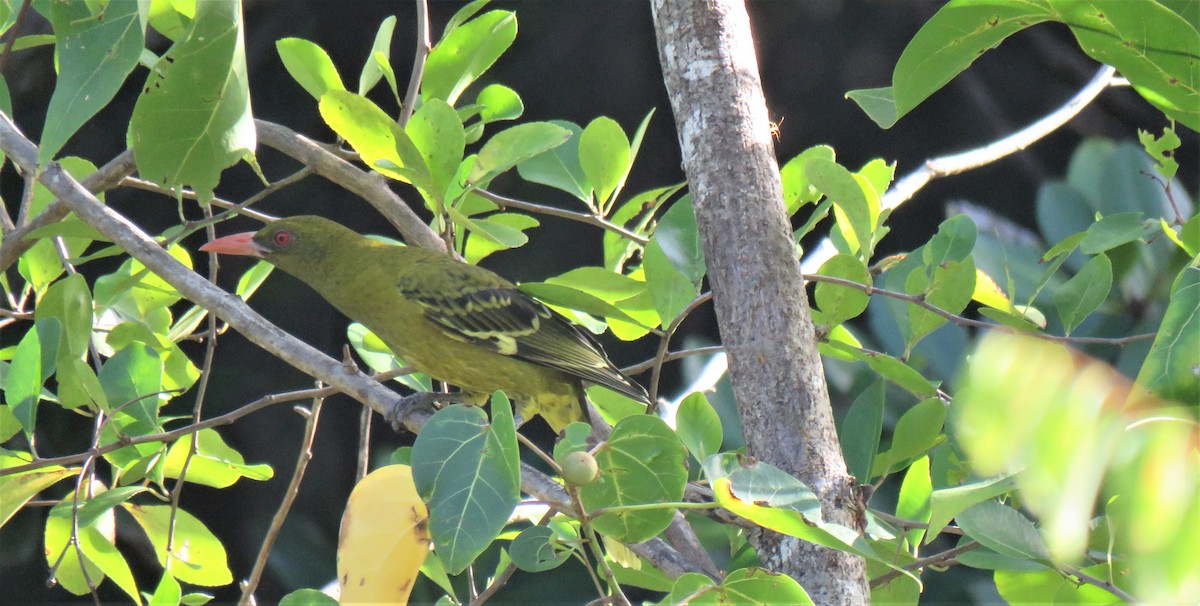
369 186
711 73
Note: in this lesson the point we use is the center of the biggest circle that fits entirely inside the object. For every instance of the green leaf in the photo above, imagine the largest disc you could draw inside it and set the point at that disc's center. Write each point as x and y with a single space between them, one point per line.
18 489
1188 237
642 462
69 227
950 289
1084 292
573 298
797 189
954 241
917 432
252 278
1162 149
41 264
670 289
856 217
203 77
1113 231
951 41
371 71
636 213
764 484
890 367
792 522
750 586
467 471
197 598
604 284
877 103
860 431
513 146
946 503
381 143
94 548
1170 367
498 102
605 158
167 593
698 426
1003 529
94 55
1048 586
559 167
307 597
535 550
69 301
840 303
500 230
687 585
198 557
465 53
1151 46
438 135
679 239
132 380
913 502
309 65
214 463
31 366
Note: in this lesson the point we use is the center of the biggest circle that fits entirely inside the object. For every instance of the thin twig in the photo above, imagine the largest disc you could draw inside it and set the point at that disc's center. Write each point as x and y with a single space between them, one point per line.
641 367
665 341
13 32
933 560
289 496
919 301
168 436
418 68
506 202
502 578
210 350
1101 583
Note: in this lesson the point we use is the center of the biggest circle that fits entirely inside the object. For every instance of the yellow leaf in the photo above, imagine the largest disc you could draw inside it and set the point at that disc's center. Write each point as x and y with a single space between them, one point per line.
384 538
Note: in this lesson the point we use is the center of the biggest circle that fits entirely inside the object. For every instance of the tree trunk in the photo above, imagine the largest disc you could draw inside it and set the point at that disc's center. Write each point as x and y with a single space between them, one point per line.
711 72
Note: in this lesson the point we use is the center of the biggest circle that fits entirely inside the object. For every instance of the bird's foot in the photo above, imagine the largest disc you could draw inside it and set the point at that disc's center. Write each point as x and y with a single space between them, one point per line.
423 399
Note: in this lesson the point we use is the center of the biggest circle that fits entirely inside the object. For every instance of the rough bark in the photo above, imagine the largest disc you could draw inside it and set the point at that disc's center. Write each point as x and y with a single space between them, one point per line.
711 72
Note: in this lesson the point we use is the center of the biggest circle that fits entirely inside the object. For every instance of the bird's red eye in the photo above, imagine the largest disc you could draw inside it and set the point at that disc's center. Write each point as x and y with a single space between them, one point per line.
282 238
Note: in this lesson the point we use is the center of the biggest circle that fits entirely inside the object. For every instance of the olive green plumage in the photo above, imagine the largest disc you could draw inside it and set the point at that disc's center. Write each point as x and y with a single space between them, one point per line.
458 323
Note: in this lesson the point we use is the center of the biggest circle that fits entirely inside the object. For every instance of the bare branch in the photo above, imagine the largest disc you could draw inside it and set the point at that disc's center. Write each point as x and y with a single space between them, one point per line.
505 202
418 68
905 188
289 496
371 187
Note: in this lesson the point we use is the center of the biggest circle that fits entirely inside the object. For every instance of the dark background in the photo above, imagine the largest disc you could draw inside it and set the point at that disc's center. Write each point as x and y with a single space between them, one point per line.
573 61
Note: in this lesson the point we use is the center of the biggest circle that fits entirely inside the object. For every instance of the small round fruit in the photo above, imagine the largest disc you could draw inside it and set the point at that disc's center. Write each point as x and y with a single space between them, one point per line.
579 468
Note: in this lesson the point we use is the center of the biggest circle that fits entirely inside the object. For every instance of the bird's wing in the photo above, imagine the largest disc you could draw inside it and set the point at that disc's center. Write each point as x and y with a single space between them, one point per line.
509 322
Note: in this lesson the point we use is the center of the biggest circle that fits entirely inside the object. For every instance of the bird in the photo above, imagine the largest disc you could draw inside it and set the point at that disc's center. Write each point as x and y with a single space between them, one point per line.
458 323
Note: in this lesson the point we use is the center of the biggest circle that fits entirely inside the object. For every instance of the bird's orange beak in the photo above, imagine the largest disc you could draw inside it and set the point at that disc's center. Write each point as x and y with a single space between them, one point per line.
238 244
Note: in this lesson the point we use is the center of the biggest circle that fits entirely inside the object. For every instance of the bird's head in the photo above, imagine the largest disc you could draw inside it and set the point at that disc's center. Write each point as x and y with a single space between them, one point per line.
297 245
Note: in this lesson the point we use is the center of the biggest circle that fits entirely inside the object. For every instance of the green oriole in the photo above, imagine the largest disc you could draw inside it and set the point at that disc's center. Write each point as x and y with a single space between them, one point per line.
456 322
